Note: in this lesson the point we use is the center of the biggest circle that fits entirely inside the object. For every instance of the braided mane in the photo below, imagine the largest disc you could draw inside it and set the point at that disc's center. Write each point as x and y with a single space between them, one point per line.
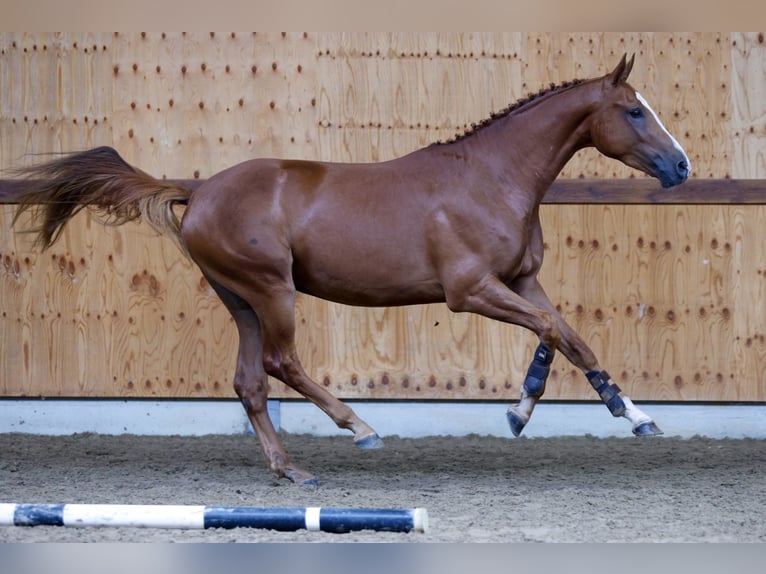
510 109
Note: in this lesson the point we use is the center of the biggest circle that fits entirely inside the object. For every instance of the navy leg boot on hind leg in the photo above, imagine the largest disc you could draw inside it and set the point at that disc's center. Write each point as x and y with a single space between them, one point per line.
534 386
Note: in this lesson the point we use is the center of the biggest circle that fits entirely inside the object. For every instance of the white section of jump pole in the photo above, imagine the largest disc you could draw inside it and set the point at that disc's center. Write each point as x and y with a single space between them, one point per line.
312 518
135 515
389 418
336 520
7 512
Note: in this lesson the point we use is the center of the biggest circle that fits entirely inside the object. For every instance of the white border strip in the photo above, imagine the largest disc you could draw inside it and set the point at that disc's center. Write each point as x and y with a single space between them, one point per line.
389 418
117 417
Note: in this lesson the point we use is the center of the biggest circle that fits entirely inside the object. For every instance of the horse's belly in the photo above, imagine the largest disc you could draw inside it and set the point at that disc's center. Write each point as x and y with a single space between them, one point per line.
367 286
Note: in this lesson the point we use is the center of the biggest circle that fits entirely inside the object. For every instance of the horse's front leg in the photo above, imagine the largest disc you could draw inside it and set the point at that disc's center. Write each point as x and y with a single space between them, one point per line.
620 405
580 355
490 297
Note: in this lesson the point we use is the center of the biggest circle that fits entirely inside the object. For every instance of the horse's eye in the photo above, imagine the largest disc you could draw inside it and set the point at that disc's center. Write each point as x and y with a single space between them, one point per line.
636 113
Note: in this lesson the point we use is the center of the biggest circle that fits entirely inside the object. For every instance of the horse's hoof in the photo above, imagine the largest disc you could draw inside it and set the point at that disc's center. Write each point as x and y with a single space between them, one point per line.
371 441
516 421
299 476
647 429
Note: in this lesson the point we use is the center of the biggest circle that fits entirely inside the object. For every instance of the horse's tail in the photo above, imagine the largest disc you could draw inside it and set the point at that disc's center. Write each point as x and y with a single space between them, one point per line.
98 178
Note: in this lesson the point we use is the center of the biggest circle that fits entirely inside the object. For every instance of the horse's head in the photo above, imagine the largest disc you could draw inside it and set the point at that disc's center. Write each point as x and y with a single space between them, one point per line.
624 127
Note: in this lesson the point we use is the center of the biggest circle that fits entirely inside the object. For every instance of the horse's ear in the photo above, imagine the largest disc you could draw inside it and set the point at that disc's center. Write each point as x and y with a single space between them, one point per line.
620 74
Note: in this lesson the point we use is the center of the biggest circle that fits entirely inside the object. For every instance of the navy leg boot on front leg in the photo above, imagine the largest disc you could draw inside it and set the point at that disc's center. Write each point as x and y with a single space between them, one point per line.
609 393
532 390
643 425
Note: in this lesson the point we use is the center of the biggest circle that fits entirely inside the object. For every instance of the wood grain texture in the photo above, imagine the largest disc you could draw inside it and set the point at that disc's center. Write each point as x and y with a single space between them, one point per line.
747 127
667 286
118 312
668 296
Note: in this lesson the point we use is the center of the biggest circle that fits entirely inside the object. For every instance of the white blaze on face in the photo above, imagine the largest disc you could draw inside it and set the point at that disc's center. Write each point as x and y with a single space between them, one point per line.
657 119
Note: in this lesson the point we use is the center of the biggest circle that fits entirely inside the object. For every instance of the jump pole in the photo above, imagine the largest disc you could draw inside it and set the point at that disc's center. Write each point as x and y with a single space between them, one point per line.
336 520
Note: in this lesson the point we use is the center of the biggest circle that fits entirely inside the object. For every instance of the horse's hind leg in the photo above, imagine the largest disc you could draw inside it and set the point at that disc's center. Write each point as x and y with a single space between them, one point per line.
276 311
532 389
251 385
580 355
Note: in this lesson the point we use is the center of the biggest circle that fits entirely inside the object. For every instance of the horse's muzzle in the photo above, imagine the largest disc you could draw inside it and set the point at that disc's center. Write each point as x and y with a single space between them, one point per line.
672 172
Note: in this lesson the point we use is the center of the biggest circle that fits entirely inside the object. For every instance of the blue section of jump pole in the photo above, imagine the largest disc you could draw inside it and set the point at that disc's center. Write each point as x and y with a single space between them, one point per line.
39 515
251 517
335 520
346 520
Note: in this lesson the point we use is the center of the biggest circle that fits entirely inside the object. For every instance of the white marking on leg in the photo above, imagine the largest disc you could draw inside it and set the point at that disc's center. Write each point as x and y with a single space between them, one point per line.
657 119
635 415
525 406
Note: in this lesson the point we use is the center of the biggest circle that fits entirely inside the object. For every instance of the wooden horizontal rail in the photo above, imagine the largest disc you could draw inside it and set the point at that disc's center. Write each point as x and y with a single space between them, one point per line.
586 191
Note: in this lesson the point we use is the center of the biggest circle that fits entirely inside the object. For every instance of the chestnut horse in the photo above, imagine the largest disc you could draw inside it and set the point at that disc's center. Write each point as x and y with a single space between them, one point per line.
455 222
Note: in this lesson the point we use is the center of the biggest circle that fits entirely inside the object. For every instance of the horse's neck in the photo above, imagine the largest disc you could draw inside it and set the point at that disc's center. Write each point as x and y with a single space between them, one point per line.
533 143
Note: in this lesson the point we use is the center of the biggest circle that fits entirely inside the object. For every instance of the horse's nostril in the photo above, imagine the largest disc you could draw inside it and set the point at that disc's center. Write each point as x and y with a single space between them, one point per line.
682 167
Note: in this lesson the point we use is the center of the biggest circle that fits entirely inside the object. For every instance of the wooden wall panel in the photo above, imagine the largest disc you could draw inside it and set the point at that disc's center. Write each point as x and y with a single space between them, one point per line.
670 297
189 105
56 93
110 312
747 126
666 295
